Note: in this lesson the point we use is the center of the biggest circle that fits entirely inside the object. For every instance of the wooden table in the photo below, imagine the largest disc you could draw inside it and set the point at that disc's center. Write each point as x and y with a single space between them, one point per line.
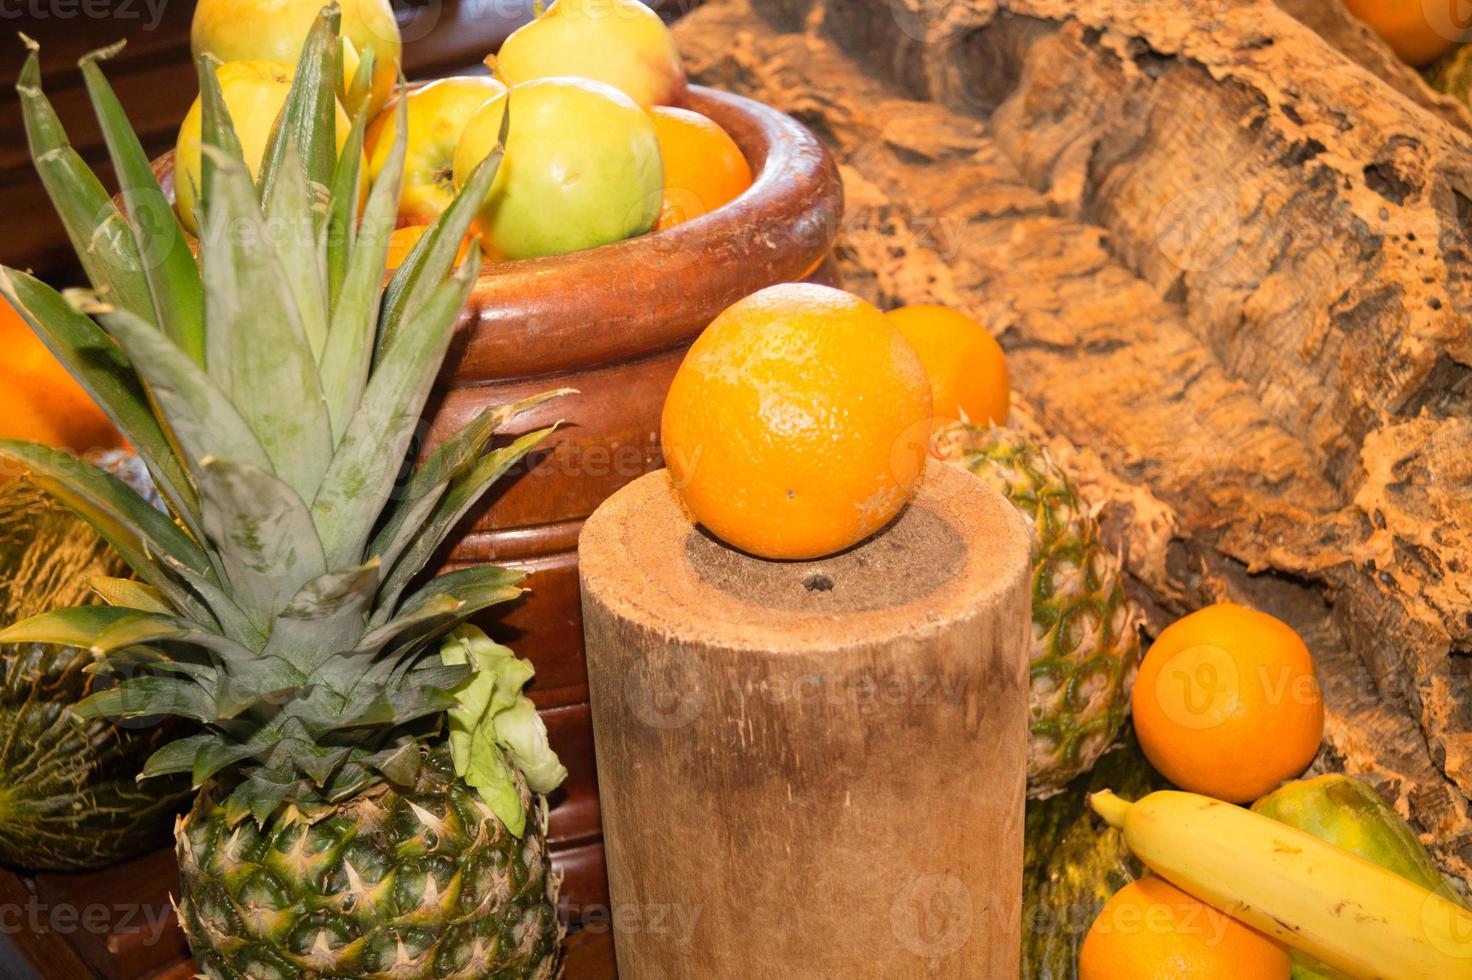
118 924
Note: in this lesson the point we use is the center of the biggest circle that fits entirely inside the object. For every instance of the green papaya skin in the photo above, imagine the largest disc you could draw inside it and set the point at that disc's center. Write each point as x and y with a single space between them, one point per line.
1350 814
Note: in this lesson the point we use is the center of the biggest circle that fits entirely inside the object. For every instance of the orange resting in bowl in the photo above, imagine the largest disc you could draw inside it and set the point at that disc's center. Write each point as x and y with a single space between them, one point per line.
703 167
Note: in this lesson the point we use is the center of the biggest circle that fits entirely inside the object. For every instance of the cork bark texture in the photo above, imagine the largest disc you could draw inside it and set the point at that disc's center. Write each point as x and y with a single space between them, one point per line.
1229 263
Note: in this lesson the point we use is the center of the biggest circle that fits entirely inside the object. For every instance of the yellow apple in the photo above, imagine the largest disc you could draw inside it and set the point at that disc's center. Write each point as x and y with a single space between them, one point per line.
438 113
582 168
254 92
620 42
274 30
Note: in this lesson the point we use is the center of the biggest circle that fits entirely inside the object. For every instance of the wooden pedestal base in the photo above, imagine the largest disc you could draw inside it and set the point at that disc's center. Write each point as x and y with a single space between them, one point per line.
812 769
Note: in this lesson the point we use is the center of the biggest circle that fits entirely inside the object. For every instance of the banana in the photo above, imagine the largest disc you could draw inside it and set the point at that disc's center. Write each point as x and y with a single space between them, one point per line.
1333 905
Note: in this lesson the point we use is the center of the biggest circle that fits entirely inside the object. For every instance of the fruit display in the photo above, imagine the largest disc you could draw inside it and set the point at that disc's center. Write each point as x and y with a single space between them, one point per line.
796 425
268 439
1086 645
71 797
1228 703
254 92
438 113
276 30
620 42
582 168
274 390
1334 905
703 166
39 401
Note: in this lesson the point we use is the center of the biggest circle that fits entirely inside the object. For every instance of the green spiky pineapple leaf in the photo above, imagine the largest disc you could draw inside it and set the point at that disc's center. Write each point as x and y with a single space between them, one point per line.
277 396
99 233
340 230
353 330
166 262
414 281
307 125
256 348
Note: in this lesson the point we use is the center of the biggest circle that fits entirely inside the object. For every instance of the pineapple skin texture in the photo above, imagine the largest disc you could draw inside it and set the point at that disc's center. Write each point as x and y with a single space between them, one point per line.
1085 637
424 883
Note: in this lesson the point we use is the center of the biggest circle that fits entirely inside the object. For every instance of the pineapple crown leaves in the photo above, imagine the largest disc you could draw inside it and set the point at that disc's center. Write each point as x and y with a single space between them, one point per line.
273 389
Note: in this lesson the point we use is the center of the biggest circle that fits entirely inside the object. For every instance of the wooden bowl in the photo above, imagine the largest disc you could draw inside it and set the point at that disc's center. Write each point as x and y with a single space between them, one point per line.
614 323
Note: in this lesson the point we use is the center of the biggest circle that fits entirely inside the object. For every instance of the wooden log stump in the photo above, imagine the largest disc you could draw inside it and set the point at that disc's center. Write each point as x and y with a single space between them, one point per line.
812 769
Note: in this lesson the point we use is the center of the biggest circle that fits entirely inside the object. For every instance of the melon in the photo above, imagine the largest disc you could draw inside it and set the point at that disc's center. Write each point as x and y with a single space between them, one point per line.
69 798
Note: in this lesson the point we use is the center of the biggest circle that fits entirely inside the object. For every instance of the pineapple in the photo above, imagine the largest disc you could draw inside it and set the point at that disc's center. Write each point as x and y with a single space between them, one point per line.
343 825
1086 646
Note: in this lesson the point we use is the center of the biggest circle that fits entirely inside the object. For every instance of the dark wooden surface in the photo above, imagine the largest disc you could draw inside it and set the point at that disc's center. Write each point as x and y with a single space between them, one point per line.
118 924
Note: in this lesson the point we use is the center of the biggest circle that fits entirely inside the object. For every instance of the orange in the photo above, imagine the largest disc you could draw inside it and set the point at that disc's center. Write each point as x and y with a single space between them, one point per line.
39 400
968 372
403 240
797 424
1227 703
703 166
1419 31
1151 930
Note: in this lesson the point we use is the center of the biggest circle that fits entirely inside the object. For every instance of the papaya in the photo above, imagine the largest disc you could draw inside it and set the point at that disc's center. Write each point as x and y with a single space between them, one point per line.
1350 814
1071 866
69 794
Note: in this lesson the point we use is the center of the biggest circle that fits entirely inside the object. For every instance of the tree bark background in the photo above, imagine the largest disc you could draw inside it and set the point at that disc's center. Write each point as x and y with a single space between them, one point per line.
1230 268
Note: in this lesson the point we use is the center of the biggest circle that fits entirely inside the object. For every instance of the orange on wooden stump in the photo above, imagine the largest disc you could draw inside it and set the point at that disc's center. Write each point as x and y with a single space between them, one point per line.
703 166
798 423
1227 703
1151 930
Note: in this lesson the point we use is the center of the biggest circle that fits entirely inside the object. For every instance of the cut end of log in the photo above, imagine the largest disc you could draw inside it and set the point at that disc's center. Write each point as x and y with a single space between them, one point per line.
957 541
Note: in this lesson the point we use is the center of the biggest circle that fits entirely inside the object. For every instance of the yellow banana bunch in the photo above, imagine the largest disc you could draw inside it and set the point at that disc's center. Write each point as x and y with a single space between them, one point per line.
1339 908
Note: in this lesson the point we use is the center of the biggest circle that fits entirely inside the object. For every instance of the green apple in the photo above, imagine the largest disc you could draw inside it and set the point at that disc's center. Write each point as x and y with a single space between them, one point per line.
438 114
581 169
621 42
274 30
254 92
